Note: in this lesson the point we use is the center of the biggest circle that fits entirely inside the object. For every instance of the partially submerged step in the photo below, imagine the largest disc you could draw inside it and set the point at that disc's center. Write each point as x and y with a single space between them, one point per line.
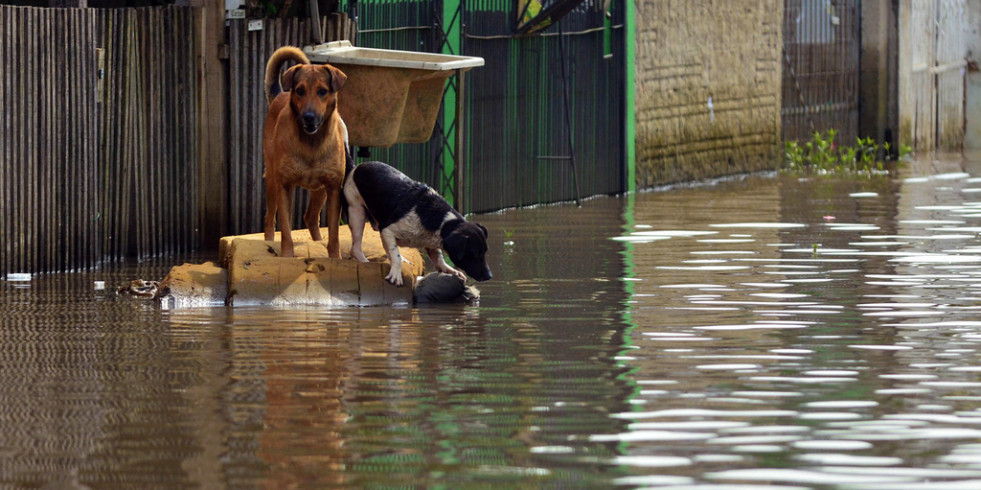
252 273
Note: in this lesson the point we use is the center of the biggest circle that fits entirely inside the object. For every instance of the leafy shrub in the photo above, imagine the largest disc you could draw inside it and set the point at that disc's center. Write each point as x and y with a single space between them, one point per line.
823 154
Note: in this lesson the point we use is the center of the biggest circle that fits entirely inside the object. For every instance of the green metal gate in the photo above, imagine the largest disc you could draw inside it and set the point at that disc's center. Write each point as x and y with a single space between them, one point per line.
543 118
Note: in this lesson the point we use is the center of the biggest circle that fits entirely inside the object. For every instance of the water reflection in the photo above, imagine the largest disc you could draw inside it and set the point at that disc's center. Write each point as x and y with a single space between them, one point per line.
109 391
793 332
838 326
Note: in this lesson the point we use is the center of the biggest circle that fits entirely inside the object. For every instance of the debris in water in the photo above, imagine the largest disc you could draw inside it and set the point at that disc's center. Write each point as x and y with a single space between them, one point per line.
140 287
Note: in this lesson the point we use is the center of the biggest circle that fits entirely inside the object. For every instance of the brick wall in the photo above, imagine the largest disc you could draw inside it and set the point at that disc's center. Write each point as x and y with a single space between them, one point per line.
688 51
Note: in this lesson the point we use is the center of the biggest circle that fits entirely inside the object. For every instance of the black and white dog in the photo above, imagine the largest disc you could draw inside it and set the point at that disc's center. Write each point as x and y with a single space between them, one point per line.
411 214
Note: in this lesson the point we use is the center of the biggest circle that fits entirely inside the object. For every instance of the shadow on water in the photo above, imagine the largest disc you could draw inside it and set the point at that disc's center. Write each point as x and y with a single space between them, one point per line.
795 331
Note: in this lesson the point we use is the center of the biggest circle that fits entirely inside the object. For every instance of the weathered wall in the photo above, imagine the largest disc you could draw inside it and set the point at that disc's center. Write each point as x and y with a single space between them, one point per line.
689 52
972 96
878 95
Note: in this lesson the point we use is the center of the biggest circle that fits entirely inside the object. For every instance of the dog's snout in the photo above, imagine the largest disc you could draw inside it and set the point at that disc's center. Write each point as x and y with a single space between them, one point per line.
311 122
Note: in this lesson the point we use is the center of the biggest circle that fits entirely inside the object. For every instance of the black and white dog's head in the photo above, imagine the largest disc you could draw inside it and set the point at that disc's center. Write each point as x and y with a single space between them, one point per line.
466 244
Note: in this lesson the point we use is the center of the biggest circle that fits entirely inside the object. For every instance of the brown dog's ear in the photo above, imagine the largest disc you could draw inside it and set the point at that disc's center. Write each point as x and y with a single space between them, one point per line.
288 79
335 78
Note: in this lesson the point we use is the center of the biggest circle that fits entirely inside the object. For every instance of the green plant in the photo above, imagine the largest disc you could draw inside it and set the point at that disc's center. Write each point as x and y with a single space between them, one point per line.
823 154
904 151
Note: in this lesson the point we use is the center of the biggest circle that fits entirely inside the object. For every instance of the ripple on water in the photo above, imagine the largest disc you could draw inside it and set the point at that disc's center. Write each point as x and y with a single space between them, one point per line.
673 233
688 425
651 435
651 461
838 459
666 481
832 445
752 326
939 258
830 416
727 367
881 347
802 476
842 404
830 372
702 412
759 225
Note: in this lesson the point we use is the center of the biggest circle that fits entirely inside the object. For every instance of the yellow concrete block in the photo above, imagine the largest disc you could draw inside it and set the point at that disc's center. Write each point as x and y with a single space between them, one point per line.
257 276
344 282
195 285
304 247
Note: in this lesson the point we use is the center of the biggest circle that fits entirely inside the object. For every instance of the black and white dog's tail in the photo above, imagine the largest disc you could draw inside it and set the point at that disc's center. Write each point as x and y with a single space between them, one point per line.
349 165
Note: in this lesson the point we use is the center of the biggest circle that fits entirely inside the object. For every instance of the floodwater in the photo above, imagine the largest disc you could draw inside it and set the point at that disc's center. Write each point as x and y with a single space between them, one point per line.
769 330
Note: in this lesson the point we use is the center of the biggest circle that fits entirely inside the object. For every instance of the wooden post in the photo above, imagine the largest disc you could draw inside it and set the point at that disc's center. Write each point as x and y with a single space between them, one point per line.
212 158
316 29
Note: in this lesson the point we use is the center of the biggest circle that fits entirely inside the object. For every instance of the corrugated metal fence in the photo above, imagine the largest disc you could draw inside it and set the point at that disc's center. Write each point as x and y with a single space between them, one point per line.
517 139
88 179
148 121
248 53
85 180
821 68
50 192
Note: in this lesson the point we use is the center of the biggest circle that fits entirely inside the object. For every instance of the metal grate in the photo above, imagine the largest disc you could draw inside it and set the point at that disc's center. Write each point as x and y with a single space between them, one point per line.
821 68
517 139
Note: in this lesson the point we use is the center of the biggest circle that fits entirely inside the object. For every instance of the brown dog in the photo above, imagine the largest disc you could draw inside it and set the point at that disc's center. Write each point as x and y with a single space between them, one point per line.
304 145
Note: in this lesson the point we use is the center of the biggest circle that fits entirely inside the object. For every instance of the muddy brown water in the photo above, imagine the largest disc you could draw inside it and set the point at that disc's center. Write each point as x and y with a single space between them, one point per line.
796 332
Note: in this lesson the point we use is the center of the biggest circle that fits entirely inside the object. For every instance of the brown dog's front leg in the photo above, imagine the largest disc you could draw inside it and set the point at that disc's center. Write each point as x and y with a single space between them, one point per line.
286 222
312 217
273 191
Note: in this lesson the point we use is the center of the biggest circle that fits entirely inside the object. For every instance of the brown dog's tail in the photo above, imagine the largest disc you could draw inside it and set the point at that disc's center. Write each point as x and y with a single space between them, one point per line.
286 53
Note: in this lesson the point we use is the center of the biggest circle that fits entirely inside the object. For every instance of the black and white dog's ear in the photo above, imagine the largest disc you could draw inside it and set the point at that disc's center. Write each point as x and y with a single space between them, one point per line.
482 229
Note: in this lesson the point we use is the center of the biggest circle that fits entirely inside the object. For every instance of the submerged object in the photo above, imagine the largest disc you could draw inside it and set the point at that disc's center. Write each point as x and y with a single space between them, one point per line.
438 287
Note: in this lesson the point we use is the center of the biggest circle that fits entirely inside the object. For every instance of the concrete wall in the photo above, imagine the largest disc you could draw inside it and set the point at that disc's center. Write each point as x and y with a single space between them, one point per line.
972 96
691 52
